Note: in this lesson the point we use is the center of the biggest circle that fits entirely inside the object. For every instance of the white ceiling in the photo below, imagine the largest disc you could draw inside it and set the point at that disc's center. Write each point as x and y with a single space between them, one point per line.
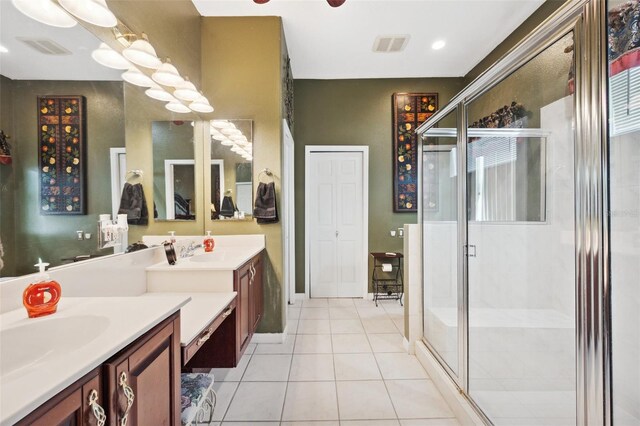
336 43
25 63
323 42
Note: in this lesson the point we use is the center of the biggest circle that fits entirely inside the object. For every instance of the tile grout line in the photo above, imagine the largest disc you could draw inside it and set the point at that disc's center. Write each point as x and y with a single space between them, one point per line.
384 382
286 388
237 387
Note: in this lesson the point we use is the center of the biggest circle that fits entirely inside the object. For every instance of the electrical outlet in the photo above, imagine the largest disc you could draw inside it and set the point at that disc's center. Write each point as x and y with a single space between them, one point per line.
401 232
87 236
393 233
80 235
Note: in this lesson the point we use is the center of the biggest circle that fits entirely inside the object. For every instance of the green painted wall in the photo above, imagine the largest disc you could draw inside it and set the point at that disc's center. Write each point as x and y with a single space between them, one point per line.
7 181
241 74
53 237
356 112
536 18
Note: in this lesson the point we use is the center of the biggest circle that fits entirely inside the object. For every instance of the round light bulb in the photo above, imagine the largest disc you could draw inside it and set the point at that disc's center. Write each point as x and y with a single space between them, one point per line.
201 105
45 11
226 142
105 55
142 53
168 75
158 93
187 91
221 124
135 76
95 12
176 106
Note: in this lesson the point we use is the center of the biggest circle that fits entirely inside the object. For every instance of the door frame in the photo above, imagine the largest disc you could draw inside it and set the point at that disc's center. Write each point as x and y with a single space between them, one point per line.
313 149
289 214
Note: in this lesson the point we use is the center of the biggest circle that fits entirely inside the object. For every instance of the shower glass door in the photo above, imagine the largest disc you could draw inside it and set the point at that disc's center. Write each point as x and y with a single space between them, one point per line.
624 214
521 244
440 243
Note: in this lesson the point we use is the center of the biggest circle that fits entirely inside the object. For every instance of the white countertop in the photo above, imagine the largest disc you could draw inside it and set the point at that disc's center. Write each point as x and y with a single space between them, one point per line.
222 258
40 357
199 312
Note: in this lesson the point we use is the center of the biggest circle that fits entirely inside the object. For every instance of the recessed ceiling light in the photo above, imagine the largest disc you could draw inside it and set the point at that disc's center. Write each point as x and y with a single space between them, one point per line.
4 49
437 45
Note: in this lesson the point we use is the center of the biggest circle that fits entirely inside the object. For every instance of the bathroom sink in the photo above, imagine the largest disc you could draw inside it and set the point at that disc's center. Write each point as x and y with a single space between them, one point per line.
43 338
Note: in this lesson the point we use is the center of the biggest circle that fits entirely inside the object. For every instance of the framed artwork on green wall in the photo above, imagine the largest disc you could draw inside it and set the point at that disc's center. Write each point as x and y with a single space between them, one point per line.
61 130
410 110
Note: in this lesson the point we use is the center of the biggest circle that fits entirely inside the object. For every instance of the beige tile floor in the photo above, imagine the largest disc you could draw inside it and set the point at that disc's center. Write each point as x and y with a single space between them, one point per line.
343 364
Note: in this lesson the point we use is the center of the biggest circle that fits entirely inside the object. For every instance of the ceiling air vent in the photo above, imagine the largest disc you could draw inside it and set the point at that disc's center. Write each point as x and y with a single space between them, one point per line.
389 44
44 46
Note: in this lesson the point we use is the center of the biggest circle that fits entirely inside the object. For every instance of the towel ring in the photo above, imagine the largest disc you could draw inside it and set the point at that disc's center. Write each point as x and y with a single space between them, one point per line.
267 172
134 173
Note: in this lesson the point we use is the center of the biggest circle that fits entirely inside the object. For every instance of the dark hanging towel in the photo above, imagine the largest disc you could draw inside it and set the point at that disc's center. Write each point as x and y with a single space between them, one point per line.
227 209
266 210
134 205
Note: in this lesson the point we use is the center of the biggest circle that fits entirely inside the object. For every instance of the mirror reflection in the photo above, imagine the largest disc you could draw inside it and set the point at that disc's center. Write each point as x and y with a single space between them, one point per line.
231 195
174 192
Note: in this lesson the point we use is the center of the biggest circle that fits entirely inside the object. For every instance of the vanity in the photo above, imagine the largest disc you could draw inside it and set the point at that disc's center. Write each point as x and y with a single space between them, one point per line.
59 374
227 301
124 329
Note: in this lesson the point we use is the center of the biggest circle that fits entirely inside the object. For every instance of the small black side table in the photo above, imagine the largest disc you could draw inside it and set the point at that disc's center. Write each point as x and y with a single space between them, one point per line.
387 284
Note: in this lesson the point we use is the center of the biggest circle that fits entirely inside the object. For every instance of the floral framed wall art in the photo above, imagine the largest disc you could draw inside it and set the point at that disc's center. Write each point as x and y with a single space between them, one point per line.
409 111
61 153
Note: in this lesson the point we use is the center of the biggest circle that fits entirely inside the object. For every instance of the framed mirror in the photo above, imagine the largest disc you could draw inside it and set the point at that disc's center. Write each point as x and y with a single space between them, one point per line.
174 186
231 194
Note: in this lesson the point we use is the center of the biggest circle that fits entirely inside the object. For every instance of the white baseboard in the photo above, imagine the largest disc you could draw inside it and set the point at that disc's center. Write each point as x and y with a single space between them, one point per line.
457 402
409 347
270 337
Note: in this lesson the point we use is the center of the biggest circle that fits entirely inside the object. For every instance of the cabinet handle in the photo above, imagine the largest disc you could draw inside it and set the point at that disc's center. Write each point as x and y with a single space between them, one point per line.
128 393
204 338
227 313
96 409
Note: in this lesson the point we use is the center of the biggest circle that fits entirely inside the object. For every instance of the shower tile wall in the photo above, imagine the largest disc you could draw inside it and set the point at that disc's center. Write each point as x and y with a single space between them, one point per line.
625 267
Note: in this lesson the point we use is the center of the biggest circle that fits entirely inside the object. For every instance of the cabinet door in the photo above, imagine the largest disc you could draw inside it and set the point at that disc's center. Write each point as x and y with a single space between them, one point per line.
257 293
72 406
244 309
144 380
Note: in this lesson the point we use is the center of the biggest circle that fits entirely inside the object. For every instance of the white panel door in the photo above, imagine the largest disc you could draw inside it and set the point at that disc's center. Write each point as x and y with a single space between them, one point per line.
336 228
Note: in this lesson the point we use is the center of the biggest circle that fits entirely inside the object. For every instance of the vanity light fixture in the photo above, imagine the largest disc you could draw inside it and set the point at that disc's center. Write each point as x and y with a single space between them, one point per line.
105 55
438 44
222 124
226 142
201 105
134 76
236 149
230 131
168 75
187 91
45 11
176 106
216 135
158 93
142 53
95 12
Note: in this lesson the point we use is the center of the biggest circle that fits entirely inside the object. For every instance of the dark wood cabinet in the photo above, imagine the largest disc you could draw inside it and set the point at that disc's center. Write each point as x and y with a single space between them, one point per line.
73 406
142 382
248 284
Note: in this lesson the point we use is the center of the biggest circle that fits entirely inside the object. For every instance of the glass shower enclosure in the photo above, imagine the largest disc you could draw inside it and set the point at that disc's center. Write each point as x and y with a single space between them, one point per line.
530 217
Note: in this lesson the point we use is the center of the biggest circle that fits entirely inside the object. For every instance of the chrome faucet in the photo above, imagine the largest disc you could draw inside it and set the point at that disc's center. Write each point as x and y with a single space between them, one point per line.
188 251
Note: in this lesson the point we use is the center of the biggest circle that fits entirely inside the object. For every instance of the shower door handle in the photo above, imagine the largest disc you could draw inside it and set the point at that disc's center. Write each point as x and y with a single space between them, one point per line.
470 250
337 233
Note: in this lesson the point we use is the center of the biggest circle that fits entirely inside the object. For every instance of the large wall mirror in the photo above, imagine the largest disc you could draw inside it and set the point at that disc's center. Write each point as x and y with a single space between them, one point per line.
231 195
174 178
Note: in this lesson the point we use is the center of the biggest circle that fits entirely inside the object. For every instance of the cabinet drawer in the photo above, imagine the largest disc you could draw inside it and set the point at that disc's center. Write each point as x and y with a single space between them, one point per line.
198 342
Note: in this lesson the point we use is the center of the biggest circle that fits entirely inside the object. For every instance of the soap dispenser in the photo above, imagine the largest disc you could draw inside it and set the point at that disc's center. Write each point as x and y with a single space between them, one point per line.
208 242
41 298
172 237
